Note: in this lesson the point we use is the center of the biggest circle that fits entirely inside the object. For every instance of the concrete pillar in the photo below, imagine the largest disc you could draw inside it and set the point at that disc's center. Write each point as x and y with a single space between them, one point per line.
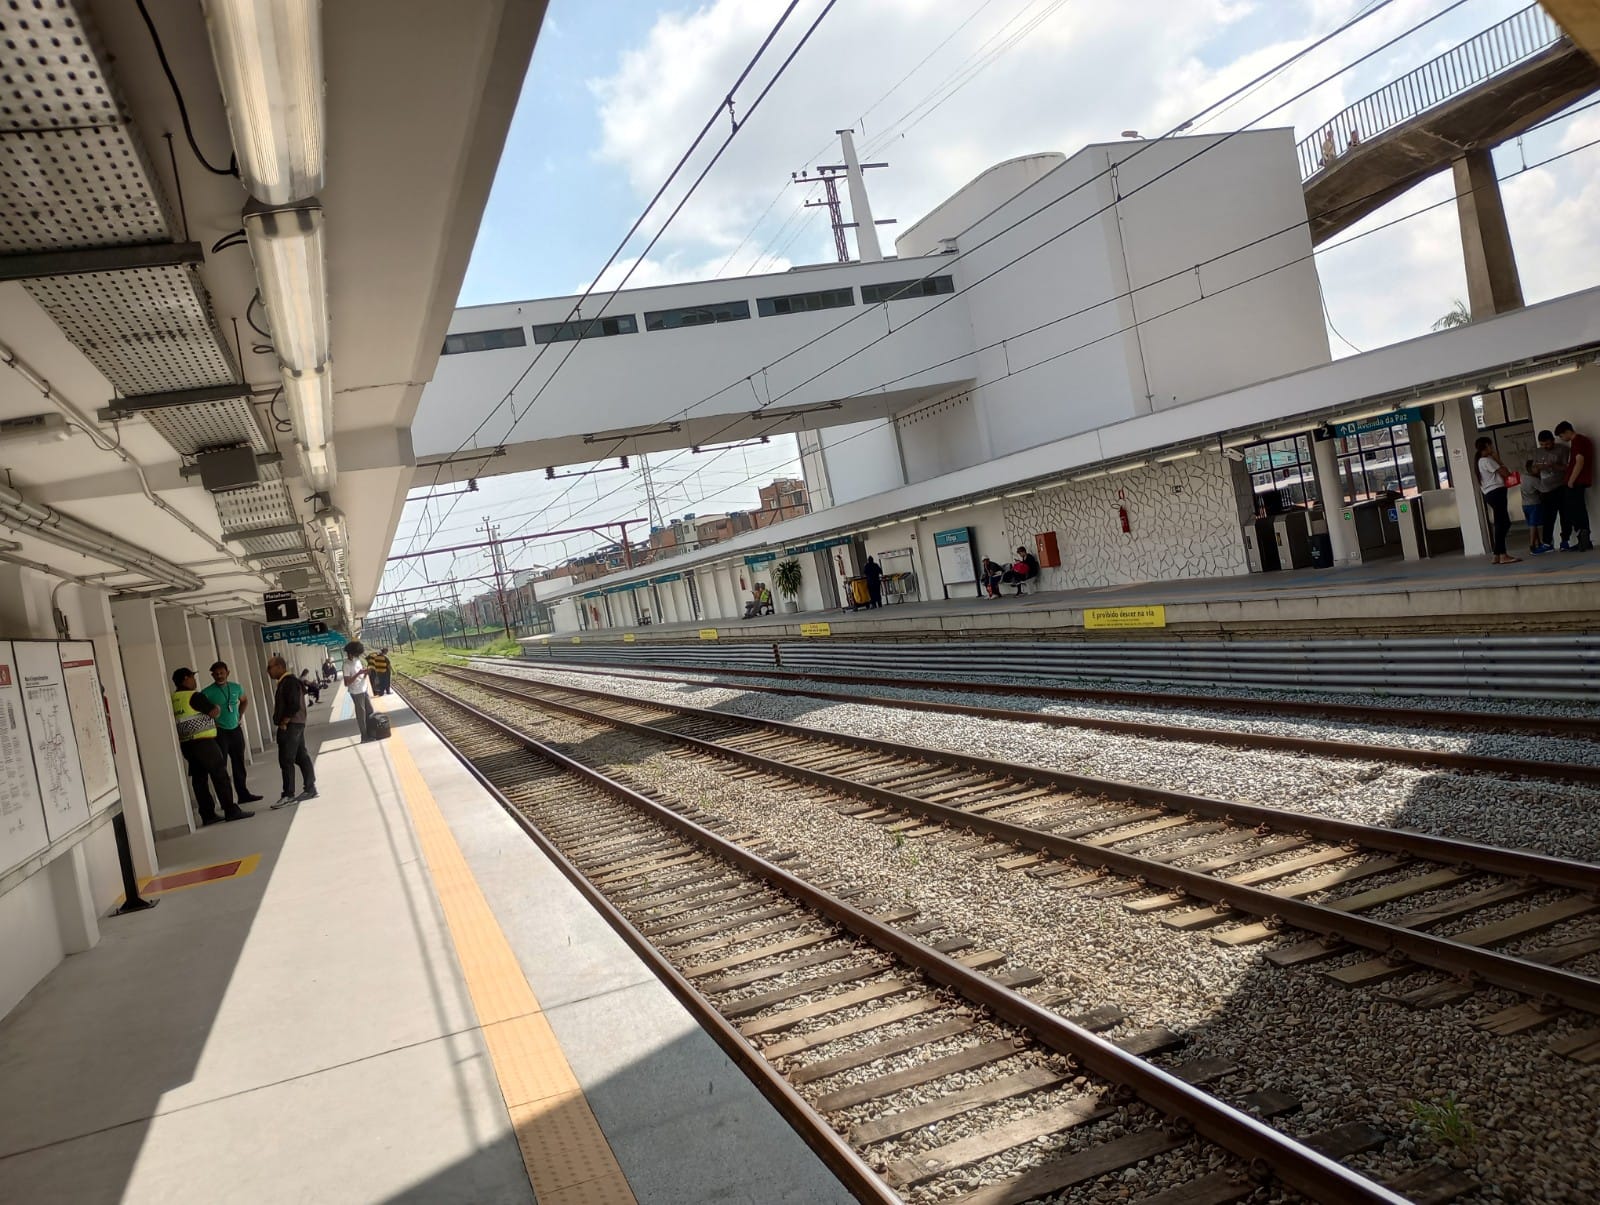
1460 434
254 656
203 644
1420 437
25 603
148 660
1492 283
100 627
1341 534
76 918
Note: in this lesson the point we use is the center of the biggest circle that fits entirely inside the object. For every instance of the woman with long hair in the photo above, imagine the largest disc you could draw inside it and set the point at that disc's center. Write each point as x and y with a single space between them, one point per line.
1492 477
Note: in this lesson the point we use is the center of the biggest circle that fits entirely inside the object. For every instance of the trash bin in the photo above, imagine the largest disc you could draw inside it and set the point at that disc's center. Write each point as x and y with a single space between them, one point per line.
1321 542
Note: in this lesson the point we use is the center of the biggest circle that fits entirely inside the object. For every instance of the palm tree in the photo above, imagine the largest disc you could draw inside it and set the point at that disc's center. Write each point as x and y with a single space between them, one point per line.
1459 315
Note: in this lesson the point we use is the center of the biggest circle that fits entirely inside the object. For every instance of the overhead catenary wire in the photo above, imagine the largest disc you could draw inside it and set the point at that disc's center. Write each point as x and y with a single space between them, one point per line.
947 262
1018 370
1350 23
716 115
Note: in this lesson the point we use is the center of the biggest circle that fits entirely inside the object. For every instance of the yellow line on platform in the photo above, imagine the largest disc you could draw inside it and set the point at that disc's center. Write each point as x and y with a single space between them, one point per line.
568 1159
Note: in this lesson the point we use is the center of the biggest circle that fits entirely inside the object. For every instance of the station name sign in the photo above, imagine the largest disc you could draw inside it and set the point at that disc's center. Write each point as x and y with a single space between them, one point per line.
1376 422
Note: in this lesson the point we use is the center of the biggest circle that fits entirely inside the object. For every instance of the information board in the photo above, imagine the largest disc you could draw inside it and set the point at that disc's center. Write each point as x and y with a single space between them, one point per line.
957 567
51 736
22 829
87 702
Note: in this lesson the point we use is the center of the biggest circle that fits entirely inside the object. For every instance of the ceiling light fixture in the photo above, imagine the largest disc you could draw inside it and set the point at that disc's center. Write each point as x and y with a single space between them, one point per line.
1091 476
1528 378
1129 467
269 62
1171 456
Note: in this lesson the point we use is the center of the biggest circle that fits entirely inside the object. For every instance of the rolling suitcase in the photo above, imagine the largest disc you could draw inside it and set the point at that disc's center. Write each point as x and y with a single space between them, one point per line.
380 726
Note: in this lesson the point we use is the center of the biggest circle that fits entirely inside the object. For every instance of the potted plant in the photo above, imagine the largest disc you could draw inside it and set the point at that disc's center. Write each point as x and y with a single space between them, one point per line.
786 576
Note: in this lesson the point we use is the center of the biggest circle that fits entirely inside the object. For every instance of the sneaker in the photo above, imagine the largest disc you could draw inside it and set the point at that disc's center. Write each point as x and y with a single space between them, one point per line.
284 802
1565 547
308 793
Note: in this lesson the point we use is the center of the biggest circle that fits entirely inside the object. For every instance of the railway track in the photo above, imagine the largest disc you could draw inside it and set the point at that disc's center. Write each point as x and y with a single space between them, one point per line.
1242 872
1438 759
844 1010
1583 727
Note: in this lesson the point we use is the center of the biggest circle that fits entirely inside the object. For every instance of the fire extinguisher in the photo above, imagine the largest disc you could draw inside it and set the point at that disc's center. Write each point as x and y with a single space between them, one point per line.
1122 514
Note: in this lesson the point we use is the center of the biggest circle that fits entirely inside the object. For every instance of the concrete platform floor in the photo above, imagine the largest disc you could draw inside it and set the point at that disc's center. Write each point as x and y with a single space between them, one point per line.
308 1032
1391 591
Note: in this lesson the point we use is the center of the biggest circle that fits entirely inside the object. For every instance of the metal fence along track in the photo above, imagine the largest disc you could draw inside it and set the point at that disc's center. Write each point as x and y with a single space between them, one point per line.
1549 667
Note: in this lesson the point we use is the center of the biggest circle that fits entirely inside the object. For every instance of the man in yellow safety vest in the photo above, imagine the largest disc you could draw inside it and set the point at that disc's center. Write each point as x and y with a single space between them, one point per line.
196 719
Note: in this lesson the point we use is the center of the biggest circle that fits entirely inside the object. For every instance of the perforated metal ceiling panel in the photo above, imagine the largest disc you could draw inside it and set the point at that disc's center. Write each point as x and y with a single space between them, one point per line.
74 174
146 329
260 545
265 504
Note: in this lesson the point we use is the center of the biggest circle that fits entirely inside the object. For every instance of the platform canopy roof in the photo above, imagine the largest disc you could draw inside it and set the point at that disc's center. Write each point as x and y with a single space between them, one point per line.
141 335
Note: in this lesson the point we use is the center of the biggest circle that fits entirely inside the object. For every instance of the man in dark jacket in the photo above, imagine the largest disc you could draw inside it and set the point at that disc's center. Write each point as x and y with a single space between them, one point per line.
289 726
874 575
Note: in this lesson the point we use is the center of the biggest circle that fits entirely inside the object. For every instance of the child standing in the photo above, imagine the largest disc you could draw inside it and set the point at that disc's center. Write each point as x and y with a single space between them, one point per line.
1533 509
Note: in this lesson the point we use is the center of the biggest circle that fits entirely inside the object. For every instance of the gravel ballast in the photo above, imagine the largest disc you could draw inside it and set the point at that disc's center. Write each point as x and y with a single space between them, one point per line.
1348 1056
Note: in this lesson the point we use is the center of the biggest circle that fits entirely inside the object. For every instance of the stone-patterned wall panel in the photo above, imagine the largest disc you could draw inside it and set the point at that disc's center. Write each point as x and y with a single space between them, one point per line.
1183 521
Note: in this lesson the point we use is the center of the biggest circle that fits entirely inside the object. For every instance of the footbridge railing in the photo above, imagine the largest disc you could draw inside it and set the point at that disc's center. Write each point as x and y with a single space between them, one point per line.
1519 37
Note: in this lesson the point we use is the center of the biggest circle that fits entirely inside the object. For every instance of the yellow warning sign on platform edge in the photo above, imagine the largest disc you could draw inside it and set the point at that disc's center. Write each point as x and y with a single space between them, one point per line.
577 640
816 629
627 638
1125 617
708 633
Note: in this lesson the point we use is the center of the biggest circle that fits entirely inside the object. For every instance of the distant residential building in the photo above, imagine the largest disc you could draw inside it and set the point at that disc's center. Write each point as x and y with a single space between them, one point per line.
783 499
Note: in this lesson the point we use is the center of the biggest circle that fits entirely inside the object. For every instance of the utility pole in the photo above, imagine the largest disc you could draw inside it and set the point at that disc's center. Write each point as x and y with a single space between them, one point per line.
851 171
492 533
652 503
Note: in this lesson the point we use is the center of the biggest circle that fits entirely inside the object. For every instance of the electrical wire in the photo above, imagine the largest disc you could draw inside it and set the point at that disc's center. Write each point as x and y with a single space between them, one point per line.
236 239
710 121
1019 370
947 262
183 110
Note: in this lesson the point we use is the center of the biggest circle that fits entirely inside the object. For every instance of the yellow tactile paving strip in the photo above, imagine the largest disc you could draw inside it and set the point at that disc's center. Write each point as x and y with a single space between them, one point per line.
568 1159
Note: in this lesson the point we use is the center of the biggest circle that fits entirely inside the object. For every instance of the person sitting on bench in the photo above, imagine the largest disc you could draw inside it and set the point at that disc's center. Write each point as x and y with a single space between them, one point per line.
1023 570
761 604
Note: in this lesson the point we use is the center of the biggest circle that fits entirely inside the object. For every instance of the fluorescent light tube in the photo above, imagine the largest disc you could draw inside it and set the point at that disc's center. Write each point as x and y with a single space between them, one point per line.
1019 493
310 398
269 63
1560 370
1091 476
1171 456
1443 395
1128 468
287 247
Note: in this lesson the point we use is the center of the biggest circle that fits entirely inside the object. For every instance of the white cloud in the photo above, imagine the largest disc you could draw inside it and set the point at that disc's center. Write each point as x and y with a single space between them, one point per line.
1083 73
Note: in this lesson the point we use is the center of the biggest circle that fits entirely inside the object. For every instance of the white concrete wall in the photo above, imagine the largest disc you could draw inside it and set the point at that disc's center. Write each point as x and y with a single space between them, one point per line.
973 201
52 910
862 459
644 379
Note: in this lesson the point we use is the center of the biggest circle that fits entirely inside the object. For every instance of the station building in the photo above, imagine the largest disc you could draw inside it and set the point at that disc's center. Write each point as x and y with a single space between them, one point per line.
1117 360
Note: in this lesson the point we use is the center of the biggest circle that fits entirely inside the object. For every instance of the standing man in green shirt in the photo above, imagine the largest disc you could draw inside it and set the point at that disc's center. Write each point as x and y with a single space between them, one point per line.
232 702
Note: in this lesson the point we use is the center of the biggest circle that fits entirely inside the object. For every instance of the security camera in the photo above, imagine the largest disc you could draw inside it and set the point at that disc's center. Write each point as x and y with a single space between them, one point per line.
1233 454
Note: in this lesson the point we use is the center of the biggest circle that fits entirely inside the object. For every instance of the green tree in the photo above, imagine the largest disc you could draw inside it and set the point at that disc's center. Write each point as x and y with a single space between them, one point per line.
1459 315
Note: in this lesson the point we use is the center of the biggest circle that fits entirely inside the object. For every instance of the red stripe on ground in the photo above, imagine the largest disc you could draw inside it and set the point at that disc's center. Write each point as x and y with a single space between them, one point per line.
187 878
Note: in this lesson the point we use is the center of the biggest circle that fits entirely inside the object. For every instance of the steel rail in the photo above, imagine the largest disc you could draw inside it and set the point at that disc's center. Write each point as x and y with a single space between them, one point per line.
1437 953
836 1154
1444 759
1488 721
1295 1165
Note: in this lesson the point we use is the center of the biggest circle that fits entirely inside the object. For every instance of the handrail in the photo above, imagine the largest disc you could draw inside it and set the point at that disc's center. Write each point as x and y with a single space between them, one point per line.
1519 37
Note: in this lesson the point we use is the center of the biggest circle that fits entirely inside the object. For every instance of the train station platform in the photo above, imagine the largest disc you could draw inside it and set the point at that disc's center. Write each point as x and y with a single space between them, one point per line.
383 994
1556 592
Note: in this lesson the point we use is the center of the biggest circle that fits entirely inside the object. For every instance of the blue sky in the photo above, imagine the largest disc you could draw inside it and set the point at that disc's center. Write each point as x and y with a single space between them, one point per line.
617 88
